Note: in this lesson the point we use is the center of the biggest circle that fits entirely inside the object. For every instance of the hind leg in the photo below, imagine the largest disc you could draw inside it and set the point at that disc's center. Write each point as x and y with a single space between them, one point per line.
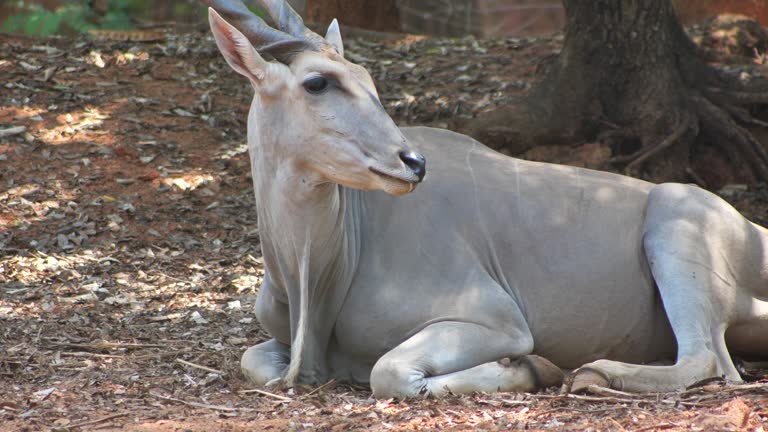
750 338
693 242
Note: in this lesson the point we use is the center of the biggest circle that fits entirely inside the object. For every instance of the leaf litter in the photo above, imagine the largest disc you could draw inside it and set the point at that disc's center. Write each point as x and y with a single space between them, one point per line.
130 258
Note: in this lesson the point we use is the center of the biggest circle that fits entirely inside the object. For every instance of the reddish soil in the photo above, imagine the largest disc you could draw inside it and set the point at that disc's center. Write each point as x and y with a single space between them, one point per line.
129 251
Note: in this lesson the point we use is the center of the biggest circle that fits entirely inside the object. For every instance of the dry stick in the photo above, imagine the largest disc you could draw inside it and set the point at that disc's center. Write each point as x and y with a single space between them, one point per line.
604 391
638 400
705 389
160 355
621 428
101 420
266 393
605 399
658 426
103 345
331 382
199 405
12 131
599 410
205 368
90 355
515 402
544 396
743 387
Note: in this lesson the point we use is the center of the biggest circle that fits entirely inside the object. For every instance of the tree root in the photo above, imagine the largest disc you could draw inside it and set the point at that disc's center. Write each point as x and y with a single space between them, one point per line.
717 114
739 97
735 141
651 151
743 116
637 158
588 93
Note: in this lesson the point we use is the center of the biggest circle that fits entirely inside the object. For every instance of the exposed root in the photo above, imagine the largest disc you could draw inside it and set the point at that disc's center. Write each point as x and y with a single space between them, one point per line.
739 97
716 117
628 108
652 151
639 157
743 116
735 141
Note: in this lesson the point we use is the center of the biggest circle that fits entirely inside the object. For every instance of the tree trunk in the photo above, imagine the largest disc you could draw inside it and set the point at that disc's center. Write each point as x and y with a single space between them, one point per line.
379 15
629 76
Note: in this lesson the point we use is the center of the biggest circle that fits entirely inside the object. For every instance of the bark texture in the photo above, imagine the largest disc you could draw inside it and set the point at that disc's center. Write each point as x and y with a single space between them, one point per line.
379 15
629 75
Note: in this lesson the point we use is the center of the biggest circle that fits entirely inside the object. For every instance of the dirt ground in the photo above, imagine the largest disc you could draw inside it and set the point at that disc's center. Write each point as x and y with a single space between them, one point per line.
129 249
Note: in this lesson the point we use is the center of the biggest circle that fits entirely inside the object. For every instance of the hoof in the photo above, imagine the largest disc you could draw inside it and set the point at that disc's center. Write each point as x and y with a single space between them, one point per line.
583 378
545 373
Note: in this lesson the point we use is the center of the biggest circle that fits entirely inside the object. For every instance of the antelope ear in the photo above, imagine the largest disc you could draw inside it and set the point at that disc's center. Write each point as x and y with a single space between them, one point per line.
237 50
333 36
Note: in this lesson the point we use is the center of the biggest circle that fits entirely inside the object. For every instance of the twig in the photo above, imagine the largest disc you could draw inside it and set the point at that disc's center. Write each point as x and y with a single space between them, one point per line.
658 426
159 355
695 391
621 428
743 387
600 410
638 400
205 368
603 399
515 402
266 393
103 345
604 391
331 382
545 396
721 388
716 380
199 405
100 420
89 355
11 131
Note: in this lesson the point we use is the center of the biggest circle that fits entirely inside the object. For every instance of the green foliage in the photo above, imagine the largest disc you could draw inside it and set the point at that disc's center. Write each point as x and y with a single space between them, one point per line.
79 16
71 16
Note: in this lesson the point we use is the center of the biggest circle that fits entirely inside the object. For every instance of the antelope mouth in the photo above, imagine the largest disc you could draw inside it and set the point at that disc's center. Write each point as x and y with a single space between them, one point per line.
390 177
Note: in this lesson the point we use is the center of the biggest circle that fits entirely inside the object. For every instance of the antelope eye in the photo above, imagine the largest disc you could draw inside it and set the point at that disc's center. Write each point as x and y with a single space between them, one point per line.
316 84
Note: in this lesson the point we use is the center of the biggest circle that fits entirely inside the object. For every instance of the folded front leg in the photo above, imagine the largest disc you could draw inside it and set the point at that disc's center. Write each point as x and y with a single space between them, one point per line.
460 357
266 362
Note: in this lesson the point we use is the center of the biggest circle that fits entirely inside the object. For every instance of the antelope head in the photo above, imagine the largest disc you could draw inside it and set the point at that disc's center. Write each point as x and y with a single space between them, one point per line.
319 110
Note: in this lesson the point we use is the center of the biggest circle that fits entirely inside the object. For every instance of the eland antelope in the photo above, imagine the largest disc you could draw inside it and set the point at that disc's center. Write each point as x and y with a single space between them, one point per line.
487 274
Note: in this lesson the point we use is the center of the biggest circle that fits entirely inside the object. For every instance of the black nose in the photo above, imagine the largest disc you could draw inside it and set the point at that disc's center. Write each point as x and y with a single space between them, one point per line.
415 162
